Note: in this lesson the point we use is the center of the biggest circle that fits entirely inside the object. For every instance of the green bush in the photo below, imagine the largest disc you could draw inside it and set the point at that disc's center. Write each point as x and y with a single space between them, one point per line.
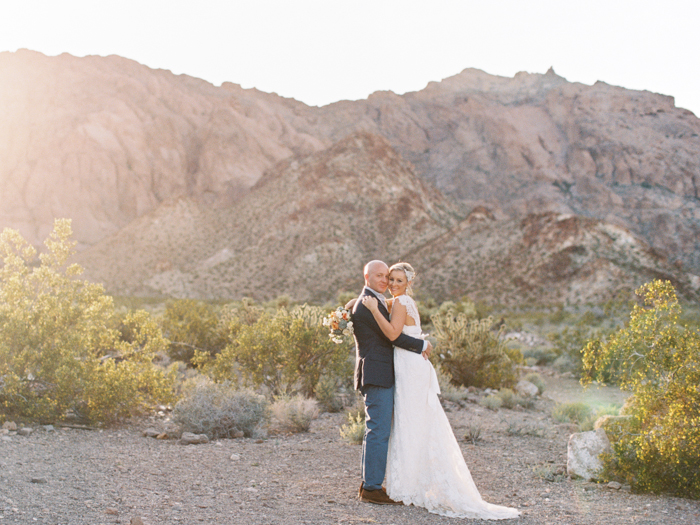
472 353
221 411
60 352
659 361
286 352
192 326
327 394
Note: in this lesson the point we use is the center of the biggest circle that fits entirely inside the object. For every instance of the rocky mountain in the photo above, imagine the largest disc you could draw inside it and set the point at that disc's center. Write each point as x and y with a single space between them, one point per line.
170 180
309 225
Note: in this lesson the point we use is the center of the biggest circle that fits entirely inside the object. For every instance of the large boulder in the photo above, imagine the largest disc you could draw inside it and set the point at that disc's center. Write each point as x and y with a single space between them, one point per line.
583 453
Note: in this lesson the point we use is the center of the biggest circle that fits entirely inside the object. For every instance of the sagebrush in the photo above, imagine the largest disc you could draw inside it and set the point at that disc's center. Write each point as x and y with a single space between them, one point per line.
219 410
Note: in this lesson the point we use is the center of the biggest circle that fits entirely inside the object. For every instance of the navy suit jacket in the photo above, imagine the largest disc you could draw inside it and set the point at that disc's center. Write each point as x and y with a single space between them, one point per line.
374 363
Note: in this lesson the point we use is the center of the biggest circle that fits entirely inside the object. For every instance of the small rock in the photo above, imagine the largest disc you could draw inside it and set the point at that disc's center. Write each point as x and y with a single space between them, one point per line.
111 511
188 438
9 425
250 489
48 428
235 457
136 521
238 434
614 485
583 451
40 480
258 441
25 431
472 389
526 388
150 433
5 438
162 435
4 431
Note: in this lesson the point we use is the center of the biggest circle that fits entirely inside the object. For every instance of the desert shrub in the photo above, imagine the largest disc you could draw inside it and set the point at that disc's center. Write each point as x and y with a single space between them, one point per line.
327 394
576 412
191 326
448 390
537 355
492 402
221 411
286 352
536 379
354 430
293 414
472 353
510 399
659 361
473 434
60 352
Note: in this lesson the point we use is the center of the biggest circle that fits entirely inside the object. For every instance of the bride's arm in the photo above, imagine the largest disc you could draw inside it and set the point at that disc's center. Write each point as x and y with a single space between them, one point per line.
398 317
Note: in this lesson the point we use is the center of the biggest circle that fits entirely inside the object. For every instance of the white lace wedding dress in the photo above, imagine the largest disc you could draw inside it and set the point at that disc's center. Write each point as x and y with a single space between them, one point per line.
425 466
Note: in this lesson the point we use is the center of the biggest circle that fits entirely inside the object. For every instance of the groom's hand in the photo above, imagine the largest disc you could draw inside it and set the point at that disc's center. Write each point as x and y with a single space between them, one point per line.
428 350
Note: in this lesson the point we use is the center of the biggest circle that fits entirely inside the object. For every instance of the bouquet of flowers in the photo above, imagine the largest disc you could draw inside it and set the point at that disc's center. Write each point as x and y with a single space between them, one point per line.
339 323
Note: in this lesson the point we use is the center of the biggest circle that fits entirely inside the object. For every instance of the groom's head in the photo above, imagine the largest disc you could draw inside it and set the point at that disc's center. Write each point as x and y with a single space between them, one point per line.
377 276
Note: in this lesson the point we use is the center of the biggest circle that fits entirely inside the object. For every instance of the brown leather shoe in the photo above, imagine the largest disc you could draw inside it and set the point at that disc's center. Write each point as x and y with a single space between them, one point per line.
362 485
378 497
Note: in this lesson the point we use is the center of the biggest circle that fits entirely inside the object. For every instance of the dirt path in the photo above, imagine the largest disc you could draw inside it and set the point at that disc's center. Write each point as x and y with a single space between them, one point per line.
92 477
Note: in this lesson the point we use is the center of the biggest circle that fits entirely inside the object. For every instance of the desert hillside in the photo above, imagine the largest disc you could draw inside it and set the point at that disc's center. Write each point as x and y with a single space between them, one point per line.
179 187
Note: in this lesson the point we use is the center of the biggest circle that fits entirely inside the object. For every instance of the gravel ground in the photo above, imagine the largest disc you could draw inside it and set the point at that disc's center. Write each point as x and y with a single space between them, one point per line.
92 477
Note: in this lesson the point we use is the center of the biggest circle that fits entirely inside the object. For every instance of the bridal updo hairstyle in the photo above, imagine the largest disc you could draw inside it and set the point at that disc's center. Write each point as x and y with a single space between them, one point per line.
410 274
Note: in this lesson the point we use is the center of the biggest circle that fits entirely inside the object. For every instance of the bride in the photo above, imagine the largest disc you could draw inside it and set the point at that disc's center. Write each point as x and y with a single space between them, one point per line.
425 466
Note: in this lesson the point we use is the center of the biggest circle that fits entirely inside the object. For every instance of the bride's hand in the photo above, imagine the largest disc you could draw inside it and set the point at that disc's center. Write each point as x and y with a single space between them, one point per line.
371 303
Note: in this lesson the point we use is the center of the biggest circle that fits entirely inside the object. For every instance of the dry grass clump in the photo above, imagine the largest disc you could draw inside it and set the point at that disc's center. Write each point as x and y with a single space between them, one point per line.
293 414
221 411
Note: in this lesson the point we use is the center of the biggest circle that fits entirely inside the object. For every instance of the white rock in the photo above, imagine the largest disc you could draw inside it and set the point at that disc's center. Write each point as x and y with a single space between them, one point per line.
584 449
526 388
235 457
25 431
9 425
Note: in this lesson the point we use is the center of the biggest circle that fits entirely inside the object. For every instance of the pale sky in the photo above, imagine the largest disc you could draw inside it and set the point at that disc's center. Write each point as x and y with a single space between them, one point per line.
321 51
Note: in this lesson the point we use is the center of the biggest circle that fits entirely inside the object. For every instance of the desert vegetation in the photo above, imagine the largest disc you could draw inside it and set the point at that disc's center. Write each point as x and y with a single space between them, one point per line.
70 352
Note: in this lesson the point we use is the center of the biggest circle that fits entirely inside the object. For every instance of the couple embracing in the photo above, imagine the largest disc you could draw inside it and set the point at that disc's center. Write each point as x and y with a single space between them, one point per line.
407 438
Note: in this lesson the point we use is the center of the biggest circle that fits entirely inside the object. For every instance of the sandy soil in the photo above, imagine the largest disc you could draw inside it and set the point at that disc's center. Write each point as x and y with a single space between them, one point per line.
91 477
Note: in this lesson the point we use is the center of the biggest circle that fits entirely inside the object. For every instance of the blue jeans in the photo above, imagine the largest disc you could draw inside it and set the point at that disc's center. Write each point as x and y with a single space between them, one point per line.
379 409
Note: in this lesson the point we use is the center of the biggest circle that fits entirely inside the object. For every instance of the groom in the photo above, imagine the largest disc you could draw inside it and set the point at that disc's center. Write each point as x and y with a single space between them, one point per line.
374 378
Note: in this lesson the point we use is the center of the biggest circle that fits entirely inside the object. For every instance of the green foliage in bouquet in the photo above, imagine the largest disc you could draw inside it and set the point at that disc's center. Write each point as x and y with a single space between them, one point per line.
472 353
658 449
287 351
59 350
